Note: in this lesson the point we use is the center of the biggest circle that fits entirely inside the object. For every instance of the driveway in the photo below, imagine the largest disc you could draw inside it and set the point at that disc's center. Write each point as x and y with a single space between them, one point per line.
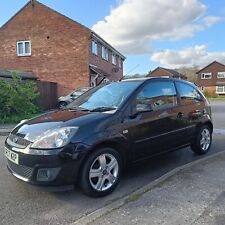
23 204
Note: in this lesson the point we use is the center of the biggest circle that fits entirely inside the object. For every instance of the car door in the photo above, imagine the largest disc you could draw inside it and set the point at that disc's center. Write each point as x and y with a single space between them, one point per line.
152 127
192 107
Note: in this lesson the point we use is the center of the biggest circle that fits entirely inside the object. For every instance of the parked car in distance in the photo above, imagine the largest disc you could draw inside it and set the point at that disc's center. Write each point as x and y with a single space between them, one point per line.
65 100
94 138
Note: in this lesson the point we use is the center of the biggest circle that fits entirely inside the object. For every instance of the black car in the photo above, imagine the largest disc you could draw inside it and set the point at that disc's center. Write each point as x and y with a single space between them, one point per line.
108 128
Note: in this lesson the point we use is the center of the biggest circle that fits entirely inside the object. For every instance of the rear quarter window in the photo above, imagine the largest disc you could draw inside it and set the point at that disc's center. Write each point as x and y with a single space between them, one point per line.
188 94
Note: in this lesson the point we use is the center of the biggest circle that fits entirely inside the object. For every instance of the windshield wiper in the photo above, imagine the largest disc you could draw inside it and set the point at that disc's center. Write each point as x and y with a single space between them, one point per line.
102 109
77 108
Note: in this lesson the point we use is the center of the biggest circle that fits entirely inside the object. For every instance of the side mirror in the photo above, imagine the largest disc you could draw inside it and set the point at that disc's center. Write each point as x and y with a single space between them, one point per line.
143 108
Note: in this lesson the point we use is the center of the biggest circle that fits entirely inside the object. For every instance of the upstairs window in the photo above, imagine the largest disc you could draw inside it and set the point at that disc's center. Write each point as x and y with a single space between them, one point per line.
114 59
120 62
221 75
23 48
206 76
94 47
105 54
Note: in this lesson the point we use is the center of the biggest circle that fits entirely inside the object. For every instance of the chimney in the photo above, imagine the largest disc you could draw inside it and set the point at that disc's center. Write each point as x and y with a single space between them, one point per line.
32 2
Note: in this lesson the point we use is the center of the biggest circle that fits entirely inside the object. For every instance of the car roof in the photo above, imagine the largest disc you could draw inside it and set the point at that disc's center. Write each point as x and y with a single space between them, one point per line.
145 79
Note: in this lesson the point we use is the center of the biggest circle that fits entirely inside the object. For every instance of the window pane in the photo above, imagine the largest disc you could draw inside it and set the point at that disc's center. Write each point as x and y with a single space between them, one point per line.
220 89
114 59
27 47
206 75
221 75
158 95
105 53
20 48
94 48
120 63
188 94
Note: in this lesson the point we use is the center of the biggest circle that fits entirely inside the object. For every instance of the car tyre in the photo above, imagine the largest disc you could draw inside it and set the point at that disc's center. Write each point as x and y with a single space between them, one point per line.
203 140
62 104
101 172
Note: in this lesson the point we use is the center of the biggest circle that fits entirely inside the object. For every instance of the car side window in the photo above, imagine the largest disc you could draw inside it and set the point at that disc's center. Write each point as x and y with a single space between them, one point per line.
188 94
156 96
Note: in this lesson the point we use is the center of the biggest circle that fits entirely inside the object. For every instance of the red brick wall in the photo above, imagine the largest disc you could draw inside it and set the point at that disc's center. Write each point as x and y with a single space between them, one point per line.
159 73
107 66
61 58
214 69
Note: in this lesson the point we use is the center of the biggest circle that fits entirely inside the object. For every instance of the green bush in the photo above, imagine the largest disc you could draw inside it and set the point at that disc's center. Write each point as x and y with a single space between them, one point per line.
18 99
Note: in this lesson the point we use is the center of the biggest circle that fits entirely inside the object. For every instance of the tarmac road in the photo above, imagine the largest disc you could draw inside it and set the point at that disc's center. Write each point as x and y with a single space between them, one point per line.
21 203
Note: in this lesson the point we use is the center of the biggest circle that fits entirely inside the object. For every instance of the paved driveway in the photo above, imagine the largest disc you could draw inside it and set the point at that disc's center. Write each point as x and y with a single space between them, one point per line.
21 203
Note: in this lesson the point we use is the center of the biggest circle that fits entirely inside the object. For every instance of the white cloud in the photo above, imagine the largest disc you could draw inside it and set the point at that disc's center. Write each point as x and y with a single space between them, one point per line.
196 55
134 24
211 20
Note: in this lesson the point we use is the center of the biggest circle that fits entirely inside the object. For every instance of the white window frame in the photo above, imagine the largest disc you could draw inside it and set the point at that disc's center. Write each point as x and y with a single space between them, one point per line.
203 76
94 47
220 92
24 53
105 53
114 59
221 75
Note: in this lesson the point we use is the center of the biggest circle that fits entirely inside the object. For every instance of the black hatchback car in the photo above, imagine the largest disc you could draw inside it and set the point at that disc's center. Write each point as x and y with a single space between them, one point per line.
106 129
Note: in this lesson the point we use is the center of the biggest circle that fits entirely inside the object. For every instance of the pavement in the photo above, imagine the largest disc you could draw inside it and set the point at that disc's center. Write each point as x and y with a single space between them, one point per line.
6 128
22 204
193 196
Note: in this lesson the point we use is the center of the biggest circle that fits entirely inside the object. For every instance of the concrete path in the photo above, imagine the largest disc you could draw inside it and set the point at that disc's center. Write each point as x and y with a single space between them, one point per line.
193 196
6 128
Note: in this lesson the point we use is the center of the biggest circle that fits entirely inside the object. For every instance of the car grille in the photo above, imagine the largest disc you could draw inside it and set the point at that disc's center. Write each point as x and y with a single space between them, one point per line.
23 171
17 141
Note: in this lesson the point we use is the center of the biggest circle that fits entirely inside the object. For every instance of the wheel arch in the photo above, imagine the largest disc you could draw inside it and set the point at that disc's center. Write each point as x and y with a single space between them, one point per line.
210 124
106 144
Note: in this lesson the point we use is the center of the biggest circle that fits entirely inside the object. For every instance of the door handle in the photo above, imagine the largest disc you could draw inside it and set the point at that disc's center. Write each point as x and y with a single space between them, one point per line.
180 115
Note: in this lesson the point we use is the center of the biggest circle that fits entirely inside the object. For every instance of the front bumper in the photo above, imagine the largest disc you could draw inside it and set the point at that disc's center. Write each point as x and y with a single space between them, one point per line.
60 168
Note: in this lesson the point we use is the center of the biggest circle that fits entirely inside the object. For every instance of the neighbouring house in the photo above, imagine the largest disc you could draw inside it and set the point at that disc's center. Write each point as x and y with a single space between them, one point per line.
164 72
54 48
211 78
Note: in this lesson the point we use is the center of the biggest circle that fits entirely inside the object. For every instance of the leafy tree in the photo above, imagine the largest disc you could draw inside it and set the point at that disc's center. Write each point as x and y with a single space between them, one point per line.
190 72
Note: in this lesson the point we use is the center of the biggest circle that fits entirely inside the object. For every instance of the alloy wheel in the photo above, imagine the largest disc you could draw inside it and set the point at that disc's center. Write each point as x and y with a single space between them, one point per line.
103 172
205 139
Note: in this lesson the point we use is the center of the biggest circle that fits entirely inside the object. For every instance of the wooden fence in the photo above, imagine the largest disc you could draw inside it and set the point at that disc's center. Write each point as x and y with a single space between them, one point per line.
48 94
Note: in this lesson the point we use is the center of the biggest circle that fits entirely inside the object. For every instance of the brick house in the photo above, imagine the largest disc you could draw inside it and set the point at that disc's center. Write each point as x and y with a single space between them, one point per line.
211 78
164 72
55 48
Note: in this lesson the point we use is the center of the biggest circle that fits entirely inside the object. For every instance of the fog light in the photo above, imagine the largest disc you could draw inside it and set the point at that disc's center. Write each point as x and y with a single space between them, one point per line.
47 174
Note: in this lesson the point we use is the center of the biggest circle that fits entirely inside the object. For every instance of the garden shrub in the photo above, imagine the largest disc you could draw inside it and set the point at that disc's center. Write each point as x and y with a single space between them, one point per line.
18 99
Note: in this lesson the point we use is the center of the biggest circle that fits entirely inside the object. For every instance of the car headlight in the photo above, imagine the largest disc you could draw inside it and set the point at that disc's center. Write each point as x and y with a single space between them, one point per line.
55 138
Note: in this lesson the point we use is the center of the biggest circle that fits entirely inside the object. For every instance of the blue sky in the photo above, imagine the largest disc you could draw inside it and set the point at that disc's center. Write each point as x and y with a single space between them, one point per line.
145 31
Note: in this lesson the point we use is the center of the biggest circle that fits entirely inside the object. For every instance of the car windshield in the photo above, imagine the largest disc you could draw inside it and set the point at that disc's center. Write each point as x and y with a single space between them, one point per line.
104 98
